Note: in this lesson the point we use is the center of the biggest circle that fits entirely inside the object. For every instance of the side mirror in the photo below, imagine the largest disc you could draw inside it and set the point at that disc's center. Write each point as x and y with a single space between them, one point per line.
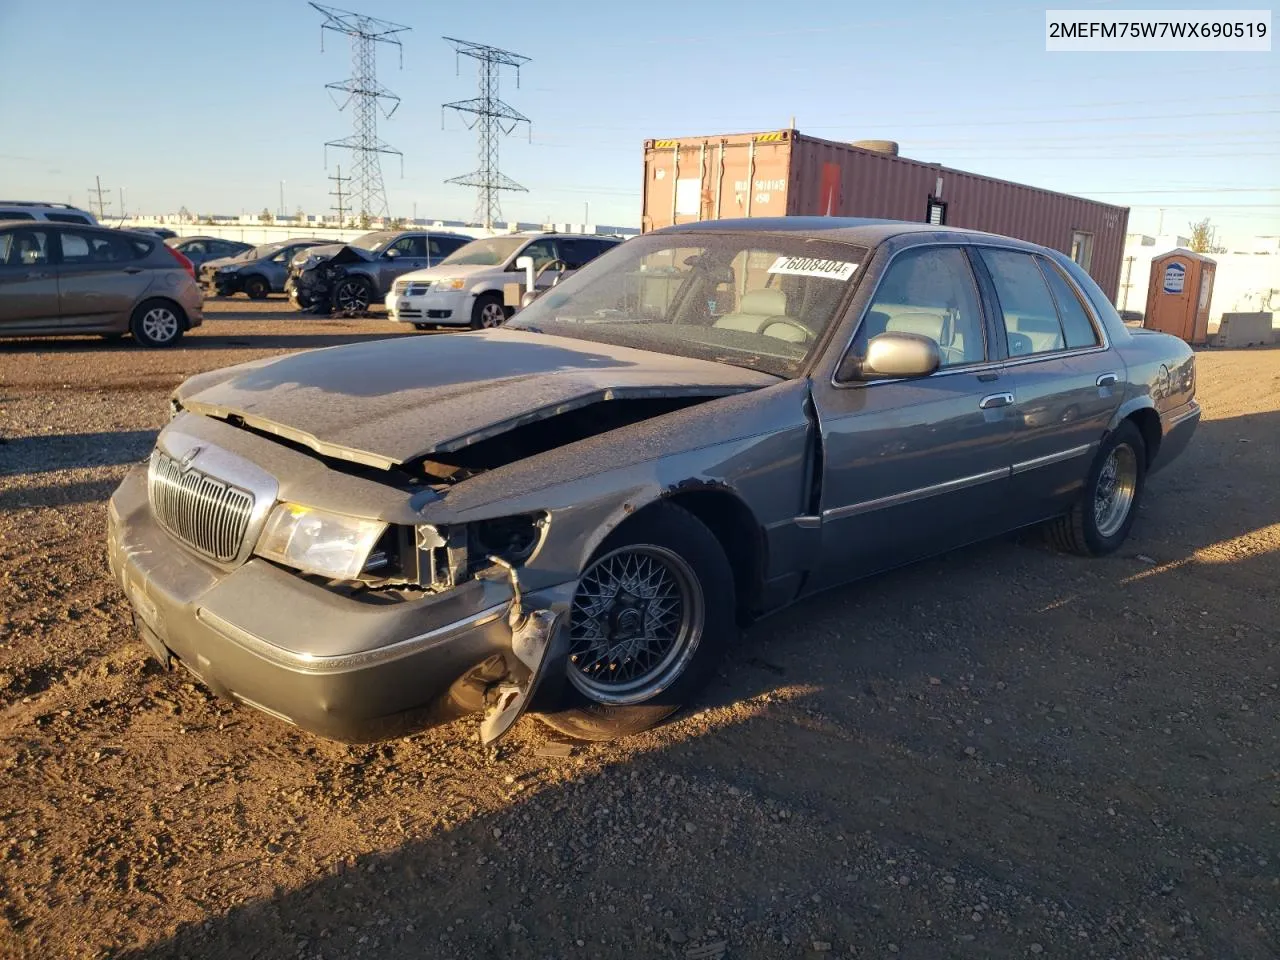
895 355
392 253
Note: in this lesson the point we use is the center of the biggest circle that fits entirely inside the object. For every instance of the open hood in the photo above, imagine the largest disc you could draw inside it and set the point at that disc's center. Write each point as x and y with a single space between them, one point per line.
389 402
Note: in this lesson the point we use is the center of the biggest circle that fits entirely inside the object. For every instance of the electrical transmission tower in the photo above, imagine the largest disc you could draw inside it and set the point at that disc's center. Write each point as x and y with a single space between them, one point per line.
493 118
339 180
368 195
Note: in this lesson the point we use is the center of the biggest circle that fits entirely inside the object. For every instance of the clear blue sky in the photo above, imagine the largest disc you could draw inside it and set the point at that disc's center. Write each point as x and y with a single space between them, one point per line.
212 105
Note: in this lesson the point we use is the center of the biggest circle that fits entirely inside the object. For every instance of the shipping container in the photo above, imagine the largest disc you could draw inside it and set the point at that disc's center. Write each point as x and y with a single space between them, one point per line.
784 173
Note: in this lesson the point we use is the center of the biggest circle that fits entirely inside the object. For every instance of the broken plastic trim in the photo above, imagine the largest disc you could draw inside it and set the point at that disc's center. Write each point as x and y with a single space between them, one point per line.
536 641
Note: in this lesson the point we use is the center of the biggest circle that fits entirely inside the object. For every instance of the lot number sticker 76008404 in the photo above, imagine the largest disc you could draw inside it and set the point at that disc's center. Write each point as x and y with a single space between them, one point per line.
813 267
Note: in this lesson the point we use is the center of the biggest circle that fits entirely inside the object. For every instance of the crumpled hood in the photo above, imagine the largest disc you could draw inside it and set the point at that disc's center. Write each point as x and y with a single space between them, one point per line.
387 402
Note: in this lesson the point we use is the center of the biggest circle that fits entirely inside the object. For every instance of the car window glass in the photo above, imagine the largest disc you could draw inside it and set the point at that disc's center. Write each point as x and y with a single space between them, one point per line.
66 217
23 248
82 248
15 215
1075 319
574 252
931 292
410 247
1030 317
542 251
196 247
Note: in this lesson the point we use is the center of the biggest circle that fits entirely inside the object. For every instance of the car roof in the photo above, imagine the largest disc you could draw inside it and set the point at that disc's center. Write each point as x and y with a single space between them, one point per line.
863 231
51 225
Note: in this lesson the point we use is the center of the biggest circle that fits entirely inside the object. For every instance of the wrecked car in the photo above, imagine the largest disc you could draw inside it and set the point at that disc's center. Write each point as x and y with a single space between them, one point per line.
573 514
345 278
256 272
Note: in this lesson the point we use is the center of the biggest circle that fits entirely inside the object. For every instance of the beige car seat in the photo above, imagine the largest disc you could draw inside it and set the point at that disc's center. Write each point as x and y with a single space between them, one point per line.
759 312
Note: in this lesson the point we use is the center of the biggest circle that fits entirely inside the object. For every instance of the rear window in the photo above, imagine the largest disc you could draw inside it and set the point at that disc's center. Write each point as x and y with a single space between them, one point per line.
15 215
66 218
94 248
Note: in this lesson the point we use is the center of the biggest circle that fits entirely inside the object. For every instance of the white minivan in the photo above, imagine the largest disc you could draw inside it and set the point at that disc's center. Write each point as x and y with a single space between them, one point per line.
465 289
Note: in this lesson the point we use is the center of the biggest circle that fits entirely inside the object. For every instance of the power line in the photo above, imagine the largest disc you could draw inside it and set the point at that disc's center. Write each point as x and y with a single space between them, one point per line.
493 118
362 90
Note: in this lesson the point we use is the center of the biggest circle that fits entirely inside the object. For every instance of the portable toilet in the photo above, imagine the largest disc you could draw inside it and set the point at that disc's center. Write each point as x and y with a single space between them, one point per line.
1178 295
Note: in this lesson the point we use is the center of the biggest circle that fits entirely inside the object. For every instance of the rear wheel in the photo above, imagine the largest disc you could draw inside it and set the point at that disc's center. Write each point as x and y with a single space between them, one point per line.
157 323
651 616
487 312
257 288
1100 520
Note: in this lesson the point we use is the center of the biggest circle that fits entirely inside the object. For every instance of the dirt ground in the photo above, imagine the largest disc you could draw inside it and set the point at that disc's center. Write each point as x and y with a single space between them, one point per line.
1001 753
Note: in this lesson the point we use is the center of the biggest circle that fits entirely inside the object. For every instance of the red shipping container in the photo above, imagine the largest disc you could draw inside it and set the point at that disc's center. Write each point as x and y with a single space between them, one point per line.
784 173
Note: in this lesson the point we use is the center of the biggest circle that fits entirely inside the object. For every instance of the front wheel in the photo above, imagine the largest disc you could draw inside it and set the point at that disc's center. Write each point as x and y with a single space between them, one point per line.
424 326
156 323
488 312
257 288
352 296
1100 520
651 616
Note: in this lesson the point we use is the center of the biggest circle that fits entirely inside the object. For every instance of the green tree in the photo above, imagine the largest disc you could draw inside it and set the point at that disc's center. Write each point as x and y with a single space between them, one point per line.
1202 236
366 221
265 216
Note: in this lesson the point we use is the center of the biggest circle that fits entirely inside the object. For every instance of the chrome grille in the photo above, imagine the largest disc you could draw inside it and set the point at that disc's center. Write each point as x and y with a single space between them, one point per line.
411 288
203 512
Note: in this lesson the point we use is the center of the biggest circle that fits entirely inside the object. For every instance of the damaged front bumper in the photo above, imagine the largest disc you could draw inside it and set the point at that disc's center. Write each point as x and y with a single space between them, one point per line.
308 290
347 667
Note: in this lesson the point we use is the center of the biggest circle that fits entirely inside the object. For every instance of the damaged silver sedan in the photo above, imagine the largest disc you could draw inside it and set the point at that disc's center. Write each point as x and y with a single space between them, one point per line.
573 514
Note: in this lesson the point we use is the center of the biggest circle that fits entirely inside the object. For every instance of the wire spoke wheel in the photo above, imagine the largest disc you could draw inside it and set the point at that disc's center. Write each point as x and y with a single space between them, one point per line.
635 624
160 324
1114 493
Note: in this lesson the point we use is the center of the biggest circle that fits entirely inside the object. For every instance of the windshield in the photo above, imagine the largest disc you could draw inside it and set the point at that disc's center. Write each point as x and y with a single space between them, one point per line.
489 252
375 241
266 250
748 299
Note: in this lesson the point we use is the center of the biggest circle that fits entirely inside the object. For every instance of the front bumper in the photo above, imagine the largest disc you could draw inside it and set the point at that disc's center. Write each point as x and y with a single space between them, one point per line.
222 284
305 289
451 307
388 668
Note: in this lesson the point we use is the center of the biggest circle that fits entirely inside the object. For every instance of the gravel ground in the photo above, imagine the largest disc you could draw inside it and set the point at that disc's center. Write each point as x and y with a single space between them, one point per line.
1002 753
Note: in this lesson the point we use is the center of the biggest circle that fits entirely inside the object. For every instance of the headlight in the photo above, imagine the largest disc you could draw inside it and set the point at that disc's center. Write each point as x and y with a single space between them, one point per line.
228 269
315 541
456 283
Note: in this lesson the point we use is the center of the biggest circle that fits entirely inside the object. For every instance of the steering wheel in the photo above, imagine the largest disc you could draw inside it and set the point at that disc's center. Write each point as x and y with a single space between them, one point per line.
787 322
558 264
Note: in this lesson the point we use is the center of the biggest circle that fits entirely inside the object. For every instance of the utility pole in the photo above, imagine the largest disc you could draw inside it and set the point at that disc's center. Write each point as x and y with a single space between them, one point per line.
339 180
415 211
282 213
492 118
123 212
1160 228
362 89
102 204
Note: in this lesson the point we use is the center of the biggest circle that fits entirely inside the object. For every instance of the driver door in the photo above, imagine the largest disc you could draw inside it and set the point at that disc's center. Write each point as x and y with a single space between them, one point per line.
915 467
543 251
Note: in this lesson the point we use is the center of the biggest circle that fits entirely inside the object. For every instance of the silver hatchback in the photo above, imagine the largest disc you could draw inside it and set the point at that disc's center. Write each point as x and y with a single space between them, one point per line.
61 278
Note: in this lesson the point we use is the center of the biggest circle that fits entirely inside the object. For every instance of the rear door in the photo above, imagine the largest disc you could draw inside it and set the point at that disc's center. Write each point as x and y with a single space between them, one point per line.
410 254
1067 379
28 280
914 467
100 276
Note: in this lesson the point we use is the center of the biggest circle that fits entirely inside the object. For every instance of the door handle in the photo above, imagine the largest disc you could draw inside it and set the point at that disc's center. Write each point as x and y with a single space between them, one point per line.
36 275
1107 380
132 269
996 400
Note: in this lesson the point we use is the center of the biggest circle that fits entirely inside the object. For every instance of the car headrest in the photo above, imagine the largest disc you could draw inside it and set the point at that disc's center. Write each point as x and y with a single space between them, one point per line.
765 303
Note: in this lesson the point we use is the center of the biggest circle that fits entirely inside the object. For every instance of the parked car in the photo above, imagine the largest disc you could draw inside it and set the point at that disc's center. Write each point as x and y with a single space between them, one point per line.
256 272
63 278
39 210
348 277
164 233
466 289
200 250
575 511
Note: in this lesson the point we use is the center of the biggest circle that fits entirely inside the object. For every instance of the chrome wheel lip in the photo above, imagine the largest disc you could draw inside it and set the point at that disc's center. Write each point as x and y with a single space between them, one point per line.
160 324
492 315
1115 490
675 660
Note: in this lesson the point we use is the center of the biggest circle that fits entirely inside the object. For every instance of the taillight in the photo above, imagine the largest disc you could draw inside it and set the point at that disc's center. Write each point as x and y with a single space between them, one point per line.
183 262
